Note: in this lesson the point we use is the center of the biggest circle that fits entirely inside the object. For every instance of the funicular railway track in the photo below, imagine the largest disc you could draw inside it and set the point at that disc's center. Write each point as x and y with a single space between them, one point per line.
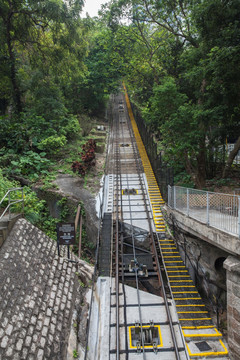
140 336
154 310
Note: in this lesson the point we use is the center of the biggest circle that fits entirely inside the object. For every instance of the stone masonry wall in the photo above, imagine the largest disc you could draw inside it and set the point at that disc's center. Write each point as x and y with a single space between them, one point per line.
232 265
37 295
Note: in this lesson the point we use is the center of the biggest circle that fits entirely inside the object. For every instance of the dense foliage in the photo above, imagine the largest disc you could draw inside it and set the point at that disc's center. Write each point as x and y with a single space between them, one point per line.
182 69
179 58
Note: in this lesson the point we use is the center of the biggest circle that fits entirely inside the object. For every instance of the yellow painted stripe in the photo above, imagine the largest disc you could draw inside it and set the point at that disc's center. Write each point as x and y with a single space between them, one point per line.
192 312
181 286
170 276
191 298
189 305
171 271
171 256
210 353
180 281
174 266
185 292
198 327
195 319
170 252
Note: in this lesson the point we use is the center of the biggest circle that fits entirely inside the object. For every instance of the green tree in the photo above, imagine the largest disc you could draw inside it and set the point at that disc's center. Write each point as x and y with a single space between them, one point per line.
22 23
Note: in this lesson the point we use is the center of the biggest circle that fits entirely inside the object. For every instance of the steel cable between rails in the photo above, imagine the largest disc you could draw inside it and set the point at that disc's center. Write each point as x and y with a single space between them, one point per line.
156 256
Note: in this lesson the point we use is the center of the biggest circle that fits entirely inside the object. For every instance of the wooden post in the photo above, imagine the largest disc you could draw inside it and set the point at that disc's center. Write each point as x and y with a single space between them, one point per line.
80 238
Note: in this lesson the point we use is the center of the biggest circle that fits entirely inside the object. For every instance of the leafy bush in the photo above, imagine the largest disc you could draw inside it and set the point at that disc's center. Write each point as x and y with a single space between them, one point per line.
52 145
35 210
72 128
87 157
5 185
30 164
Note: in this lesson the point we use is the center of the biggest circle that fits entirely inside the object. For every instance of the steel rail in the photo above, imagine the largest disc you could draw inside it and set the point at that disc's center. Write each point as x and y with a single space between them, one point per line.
111 142
119 232
121 244
156 255
116 153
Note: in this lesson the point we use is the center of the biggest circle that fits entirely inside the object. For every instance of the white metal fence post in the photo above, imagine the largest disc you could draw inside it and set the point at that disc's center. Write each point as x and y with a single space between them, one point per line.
187 202
169 195
174 197
239 217
207 208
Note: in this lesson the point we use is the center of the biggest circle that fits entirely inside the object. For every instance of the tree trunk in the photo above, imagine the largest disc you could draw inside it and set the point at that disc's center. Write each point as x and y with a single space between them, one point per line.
190 168
201 167
15 88
231 157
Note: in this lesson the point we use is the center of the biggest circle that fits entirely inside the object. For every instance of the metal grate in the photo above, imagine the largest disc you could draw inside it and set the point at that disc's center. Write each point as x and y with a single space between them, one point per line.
203 346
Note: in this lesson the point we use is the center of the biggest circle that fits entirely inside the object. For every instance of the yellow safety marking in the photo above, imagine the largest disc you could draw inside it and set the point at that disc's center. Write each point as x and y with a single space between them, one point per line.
190 305
198 327
180 281
170 276
191 298
175 286
192 312
170 252
178 261
171 256
148 346
210 353
185 292
195 319
171 271
171 248
216 334
173 266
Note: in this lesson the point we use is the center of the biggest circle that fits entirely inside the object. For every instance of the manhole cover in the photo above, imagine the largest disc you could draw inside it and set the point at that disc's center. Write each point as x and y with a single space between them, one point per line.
203 346
129 191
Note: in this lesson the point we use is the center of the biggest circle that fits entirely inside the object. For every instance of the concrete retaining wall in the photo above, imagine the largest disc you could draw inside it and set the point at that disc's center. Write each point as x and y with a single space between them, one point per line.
232 265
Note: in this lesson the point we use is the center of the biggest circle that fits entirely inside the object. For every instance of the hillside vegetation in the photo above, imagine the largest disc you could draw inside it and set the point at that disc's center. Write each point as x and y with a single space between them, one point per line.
180 61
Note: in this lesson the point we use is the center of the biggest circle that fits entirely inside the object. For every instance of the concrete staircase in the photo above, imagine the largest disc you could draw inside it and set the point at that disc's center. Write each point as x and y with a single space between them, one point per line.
6 226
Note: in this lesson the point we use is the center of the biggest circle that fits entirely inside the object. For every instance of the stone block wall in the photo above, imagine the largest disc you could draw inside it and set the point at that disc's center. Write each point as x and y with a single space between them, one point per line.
232 265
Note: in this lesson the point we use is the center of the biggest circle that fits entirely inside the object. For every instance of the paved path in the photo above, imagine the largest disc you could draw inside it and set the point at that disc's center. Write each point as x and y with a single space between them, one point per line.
37 293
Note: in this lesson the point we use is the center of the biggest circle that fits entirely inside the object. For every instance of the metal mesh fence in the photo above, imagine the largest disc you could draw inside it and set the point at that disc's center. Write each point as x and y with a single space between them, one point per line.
215 209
